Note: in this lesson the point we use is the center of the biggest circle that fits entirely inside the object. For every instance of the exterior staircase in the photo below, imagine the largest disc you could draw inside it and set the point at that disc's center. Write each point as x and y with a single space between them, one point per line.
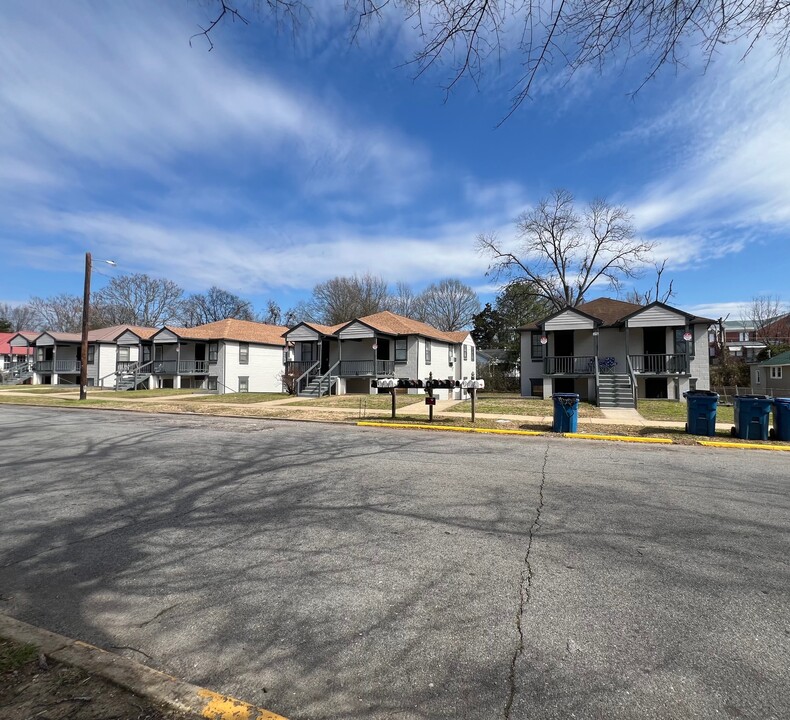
318 387
16 374
615 391
133 377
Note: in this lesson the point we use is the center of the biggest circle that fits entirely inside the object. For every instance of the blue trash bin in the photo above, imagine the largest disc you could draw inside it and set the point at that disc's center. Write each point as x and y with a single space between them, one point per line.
781 428
566 412
751 416
701 406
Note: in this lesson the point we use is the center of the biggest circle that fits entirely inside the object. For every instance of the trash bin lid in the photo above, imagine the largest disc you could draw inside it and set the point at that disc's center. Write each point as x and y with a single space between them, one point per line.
700 393
754 397
566 395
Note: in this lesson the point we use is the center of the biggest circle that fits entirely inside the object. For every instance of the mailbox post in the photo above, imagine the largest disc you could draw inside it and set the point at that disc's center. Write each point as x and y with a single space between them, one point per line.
430 401
473 386
390 383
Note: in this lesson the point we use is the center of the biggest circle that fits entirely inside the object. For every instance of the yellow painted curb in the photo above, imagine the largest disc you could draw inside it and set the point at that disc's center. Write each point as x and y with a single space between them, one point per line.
451 428
140 679
743 446
620 438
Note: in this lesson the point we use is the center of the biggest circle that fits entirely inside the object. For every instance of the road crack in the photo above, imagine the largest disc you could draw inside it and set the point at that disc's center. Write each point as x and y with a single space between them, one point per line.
525 590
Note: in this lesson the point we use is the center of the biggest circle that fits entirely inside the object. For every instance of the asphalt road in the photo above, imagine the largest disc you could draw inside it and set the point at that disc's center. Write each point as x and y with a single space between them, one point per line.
338 572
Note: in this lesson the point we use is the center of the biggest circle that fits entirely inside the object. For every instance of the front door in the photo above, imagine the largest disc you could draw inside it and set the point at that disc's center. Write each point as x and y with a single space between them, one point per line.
382 349
563 343
324 356
655 344
200 352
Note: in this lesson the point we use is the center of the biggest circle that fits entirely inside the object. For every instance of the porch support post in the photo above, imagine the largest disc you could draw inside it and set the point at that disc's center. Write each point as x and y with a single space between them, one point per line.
687 358
54 376
177 376
340 355
627 352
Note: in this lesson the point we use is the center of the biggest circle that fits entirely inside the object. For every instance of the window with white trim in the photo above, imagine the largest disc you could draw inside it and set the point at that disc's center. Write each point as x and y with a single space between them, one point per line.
244 354
124 354
401 349
776 372
466 353
244 384
427 352
449 354
472 354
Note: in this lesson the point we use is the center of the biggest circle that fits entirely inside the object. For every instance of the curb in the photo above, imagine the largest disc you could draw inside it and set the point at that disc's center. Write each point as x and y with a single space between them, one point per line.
743 446
447 428
619 438
140 679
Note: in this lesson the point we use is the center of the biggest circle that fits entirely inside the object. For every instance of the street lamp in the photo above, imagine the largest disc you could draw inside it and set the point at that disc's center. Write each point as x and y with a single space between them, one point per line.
86 309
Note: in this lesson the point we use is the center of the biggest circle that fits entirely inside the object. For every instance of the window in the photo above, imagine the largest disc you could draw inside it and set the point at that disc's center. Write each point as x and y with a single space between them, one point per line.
159 353
449 354
212 383
244 384
244 354
213 353
124 354
91 354
757 379
466 352
146 353
427 352
40 354
401 349
307 352
536 347
743 337
776 373
472 354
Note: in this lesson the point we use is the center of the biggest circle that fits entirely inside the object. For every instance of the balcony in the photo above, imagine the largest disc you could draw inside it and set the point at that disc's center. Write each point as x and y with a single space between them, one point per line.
569 365
179 367
674 364
65 367
366 368
297 368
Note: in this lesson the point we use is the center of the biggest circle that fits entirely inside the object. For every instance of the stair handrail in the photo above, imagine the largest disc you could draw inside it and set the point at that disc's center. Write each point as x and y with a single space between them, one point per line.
328 376
597 382
632 378
306 374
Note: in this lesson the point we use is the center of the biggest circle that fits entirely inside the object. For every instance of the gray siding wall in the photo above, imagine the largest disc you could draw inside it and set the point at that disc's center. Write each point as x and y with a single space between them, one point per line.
569 320
656 316
700 363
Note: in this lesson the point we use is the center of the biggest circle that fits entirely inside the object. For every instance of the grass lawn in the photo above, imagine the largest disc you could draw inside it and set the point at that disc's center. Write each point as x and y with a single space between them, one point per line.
240 398
674 410
41 389
354 402
511 404
159 392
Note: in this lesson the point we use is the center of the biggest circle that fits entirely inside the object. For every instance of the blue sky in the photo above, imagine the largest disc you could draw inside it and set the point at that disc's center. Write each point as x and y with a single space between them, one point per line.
273 163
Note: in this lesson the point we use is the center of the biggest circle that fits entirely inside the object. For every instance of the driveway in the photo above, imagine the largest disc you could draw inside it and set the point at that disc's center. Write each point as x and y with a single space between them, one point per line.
339 572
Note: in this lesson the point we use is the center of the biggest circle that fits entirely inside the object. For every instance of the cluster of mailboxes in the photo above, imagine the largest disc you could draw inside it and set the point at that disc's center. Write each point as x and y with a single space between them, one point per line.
430 384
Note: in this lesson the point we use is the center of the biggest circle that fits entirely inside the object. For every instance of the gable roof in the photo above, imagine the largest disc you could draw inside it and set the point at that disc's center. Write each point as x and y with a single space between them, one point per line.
780 359
6 349
391 324
231 329
610 312
105 335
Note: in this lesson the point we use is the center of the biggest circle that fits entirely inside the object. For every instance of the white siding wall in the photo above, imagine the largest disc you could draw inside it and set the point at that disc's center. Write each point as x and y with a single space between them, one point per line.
440 366
569 320
700 365
656 317
104 361
264 368
414 364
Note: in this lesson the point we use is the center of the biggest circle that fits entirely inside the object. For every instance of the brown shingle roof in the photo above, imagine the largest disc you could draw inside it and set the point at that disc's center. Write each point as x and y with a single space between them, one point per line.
392 324
230 329
107 334
608 310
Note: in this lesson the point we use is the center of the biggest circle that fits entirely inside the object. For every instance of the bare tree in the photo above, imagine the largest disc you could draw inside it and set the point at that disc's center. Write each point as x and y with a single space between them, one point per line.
449 305
58 313
765 313
568 34
18 317
404 301
563 254
216 304
654 293
346 298
140 299
274 315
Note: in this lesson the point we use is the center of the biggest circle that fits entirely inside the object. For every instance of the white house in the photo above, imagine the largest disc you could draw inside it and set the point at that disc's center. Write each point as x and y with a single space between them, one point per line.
349 357
614 352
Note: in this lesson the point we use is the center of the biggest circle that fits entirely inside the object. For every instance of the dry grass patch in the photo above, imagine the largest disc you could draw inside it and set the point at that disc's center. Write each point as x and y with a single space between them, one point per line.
240 398
674 410
356 402
516 405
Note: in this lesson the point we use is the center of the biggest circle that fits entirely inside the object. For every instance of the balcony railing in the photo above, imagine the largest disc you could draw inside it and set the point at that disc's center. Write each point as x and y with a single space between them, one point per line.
675 364
368 368
570 365
180 367
296 368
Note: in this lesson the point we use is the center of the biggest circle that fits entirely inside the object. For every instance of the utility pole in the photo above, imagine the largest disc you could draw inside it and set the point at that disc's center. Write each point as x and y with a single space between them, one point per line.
86 308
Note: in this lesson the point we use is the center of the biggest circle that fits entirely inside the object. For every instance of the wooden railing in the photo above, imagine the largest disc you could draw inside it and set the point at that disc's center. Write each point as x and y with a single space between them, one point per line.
296 368
570 365
369 368
660 364
179 367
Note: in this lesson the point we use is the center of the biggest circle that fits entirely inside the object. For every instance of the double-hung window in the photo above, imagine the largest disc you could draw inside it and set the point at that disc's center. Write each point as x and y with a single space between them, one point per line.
213 352
401 349
536 346
776 372
124 354
244 354
427 352
466 353
92 354
244 384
